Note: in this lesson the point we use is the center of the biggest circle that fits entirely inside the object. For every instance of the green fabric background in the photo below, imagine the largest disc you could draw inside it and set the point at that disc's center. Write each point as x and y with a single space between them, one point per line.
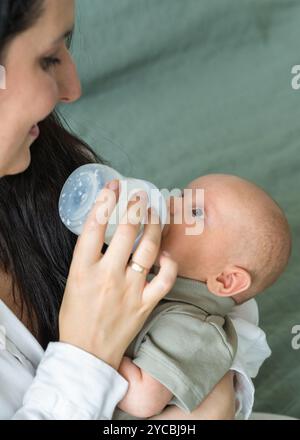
173 89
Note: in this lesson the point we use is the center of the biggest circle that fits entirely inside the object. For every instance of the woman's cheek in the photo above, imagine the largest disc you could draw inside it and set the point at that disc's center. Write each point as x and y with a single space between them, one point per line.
47 98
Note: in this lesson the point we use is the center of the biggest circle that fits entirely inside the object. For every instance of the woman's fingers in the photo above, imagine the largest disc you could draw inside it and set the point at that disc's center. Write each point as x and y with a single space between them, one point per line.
120 248
101 292
160 285
89 244
146 252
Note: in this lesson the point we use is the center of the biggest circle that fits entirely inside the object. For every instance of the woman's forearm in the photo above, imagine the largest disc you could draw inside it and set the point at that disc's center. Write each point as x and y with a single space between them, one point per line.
218 405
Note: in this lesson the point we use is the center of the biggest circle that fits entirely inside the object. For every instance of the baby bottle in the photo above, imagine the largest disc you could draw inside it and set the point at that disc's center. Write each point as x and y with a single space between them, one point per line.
82 188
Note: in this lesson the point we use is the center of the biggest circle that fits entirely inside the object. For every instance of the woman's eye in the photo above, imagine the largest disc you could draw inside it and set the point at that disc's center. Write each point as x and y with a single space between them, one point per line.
197 212
49 62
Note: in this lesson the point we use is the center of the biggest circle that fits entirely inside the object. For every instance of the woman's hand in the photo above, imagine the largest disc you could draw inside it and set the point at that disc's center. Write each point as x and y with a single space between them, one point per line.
106 302
218 405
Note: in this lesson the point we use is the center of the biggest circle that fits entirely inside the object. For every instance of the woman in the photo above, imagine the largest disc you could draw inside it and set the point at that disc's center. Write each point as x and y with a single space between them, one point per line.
105 302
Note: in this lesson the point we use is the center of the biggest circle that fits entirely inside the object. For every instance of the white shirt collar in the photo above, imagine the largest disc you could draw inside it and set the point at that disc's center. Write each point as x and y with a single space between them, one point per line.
19 335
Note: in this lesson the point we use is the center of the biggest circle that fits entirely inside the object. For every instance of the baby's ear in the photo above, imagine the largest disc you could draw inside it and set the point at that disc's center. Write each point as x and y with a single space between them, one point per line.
231 281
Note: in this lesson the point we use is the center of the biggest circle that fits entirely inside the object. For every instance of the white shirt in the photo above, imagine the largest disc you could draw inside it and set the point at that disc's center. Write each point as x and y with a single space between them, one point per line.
65 382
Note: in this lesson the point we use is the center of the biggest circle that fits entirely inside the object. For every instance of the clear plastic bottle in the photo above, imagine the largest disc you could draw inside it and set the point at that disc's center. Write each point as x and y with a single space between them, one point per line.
81 190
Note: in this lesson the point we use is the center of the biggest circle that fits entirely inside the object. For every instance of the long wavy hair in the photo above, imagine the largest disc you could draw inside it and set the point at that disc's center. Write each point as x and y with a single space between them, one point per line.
35 247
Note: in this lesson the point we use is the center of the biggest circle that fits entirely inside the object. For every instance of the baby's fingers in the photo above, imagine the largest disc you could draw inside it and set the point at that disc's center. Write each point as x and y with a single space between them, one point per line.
162 283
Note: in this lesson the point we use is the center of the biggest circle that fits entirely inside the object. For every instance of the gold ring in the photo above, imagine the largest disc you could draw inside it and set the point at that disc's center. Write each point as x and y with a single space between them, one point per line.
137 267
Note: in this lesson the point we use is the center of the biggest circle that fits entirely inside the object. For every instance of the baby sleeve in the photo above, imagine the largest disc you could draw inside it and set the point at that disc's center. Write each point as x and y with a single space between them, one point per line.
187 353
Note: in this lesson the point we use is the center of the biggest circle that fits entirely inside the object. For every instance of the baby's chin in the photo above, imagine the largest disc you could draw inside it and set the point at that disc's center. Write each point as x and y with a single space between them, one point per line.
164 248
165 245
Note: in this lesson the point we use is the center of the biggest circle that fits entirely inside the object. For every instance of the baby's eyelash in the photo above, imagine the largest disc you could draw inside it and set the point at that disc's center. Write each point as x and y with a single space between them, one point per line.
197 212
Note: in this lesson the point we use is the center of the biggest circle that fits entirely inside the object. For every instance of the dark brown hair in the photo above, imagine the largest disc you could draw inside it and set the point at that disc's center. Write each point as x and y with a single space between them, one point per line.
17 16
35 247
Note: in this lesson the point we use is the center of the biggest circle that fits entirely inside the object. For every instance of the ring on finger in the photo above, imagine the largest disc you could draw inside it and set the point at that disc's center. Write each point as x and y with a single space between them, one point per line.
138 267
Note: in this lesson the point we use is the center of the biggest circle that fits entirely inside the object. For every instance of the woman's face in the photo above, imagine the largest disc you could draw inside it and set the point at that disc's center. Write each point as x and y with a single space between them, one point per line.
39 74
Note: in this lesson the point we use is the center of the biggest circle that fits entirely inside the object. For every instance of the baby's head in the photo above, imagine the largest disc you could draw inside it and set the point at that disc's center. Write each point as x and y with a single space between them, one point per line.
245 244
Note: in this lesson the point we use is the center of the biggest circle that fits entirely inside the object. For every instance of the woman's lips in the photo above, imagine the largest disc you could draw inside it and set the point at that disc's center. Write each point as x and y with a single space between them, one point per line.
35 131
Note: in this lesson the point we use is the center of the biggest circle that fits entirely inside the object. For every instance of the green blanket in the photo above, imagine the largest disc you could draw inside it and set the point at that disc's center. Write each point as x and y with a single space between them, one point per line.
173 89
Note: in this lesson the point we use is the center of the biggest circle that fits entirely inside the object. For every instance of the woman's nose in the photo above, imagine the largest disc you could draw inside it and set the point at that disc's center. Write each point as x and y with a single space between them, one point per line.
69 85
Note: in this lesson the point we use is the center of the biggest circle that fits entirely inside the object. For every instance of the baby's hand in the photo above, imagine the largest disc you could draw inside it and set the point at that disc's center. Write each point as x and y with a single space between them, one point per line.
129 370
145 396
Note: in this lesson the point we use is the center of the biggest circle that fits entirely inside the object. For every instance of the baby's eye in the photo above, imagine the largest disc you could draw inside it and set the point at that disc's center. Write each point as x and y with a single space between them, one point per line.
197 212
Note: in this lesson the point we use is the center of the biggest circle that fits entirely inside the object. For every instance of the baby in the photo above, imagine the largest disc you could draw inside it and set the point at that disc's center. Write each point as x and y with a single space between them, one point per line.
188 343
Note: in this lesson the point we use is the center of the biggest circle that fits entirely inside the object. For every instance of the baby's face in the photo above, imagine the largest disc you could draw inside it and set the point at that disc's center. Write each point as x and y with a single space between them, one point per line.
215 204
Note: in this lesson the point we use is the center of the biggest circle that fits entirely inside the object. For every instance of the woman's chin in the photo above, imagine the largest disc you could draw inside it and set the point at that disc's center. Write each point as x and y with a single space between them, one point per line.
21 165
